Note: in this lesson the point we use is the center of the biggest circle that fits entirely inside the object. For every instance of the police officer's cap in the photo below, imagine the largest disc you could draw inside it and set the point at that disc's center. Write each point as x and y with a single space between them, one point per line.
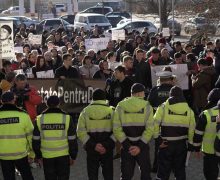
53 101
7 97
164 74
98 94
137 87
214 95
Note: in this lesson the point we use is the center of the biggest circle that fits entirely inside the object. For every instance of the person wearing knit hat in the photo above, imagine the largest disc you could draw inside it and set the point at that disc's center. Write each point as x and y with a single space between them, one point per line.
174 126
205 135
95 131
53 101
203 83
133 128
54 141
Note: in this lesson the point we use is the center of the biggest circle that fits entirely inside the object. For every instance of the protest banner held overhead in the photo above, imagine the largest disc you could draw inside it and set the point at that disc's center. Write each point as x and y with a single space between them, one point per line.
179 70
6 40
35 39
118 34
96 44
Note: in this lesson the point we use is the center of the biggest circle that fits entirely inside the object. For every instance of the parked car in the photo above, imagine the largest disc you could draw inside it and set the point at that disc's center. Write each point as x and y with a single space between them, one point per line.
114 4
98 10
60 7
123 14
15 21
54 23
89 20
12 10
123 21
26 20
201 23
138 25
177 25
69 18
114 19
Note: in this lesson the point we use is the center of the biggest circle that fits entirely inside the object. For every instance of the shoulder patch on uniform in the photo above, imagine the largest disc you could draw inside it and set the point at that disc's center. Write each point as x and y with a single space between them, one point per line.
11 120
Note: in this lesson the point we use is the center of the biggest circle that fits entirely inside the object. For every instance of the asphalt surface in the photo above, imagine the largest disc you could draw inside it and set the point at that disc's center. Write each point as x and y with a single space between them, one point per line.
79 172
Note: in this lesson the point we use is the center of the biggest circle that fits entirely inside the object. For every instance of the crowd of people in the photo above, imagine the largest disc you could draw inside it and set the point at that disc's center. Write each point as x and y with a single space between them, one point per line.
164 112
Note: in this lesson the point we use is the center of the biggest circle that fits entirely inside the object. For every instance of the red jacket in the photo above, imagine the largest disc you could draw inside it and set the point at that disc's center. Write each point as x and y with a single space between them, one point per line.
34 100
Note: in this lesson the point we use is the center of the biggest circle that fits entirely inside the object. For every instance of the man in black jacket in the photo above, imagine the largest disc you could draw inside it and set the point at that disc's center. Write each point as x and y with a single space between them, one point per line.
142 70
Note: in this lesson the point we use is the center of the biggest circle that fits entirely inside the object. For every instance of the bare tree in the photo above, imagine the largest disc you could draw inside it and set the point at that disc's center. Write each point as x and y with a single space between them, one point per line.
152 6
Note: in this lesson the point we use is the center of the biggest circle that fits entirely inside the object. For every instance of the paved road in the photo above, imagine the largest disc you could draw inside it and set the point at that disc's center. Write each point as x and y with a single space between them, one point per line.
78 172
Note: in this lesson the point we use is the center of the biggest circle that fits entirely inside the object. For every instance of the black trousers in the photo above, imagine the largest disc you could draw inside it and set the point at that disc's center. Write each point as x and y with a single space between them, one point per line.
210 166
95 160
156 148
128 163
172 158
57 168
8 169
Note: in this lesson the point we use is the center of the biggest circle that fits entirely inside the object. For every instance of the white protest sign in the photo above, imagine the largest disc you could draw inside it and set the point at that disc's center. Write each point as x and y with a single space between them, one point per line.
18 49
118 34
45 74
6 38
166 32
96 43
179 70
35 39
19 71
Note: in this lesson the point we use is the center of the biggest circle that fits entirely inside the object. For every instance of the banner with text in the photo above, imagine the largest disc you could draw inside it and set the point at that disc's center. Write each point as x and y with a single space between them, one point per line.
179 70
96 44
75 94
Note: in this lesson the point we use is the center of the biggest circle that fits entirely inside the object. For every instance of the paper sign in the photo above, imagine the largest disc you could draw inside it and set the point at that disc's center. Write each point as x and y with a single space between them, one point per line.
35 39
179 70
96 44
19 71
118 34
18 49
45 74
166 32
6 40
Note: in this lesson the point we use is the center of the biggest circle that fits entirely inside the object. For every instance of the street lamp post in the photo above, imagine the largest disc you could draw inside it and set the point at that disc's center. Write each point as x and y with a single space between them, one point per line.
173 20
159 6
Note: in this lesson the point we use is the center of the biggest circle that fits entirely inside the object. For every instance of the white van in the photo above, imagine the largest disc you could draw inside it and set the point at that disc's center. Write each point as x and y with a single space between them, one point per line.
89 20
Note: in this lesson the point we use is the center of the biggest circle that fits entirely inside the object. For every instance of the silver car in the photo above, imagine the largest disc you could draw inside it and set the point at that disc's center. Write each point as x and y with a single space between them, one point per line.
138 25
26 20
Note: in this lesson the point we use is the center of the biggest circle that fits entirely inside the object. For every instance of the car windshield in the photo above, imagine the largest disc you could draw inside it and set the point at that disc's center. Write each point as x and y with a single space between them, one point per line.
65 23
98 19
53 22
200 21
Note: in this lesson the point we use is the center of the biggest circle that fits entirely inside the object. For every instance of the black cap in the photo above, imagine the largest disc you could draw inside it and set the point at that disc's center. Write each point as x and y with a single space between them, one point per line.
214 95
137 87
98 94
7 97
176 92
53 101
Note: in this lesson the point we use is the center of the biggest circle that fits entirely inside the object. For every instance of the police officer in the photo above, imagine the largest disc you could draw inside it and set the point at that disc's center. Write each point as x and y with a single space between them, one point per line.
133 128
217 140
205 135
15 139
175 122
54 140
158 95
95 130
